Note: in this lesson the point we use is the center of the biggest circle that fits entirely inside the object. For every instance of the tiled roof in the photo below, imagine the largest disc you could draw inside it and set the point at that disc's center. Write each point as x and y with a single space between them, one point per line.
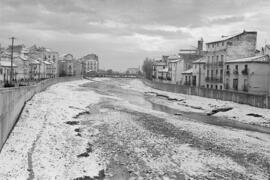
253 59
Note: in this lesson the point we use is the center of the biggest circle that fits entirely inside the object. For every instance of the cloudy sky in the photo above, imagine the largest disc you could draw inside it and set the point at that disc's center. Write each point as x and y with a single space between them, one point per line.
124 32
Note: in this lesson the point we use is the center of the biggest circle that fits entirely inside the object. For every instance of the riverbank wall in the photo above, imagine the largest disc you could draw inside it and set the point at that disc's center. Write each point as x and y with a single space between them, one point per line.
261 101
12 101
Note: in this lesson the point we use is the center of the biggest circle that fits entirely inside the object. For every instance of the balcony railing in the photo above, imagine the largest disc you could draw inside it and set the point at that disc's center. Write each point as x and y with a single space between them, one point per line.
227 72
187 83
235 72
220 63
214 79
169 78
245 72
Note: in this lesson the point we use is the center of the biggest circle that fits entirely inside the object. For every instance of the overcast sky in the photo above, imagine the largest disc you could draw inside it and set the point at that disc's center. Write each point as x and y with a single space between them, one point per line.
124 32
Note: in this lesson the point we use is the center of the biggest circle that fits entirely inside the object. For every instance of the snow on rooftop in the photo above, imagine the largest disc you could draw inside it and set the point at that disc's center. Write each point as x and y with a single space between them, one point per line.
199 61
189 71
163 70
6 64
223 38
253 59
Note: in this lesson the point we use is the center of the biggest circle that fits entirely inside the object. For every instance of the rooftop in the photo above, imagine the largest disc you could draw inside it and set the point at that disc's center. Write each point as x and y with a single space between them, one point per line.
199 61
253 59
163 70
189 71
7 64
224 38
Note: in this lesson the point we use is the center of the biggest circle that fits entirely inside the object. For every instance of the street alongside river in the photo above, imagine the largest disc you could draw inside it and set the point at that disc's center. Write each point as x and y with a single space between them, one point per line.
121 129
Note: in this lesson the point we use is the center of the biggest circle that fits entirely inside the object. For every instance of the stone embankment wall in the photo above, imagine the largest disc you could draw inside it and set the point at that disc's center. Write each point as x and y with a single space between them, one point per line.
260 101
12 101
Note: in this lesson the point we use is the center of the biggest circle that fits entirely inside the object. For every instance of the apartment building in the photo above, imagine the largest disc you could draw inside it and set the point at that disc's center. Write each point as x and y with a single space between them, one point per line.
198 72
218 52
160 70
248 74
90 63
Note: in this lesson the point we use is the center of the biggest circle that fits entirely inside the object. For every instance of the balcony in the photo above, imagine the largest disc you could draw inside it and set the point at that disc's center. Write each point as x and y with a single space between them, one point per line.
245 72
235 72
187 83
220 63
214 79
227 72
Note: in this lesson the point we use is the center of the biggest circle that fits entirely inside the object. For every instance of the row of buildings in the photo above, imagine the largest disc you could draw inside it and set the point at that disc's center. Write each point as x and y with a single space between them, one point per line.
231 63
35 63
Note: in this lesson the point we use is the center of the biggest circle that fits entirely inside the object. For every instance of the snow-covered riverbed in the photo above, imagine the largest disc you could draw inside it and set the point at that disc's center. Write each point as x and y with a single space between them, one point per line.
109 129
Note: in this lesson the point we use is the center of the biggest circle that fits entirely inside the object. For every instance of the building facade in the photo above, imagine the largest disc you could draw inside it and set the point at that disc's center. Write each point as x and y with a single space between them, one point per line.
218 52
90 63
198 73
248 74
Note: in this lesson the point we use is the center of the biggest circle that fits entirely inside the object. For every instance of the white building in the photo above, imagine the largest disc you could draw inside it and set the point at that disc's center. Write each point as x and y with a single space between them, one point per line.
90 63
175 69
250 74
198 72
5 69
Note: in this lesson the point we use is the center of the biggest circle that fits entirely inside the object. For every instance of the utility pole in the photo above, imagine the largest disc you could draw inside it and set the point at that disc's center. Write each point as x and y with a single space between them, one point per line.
11 65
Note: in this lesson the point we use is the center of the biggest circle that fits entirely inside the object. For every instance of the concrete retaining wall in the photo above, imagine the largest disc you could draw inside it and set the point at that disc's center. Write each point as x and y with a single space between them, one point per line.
12 101
238 97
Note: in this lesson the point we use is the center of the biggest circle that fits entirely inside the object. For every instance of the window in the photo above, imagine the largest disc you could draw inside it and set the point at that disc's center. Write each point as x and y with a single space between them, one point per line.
222 57
222 44
203 66
211 86
229 43
228 67
246 66
216 72
216 86
163 67
220 87
217 57
207 85
213 45
236 67
207 73
1 71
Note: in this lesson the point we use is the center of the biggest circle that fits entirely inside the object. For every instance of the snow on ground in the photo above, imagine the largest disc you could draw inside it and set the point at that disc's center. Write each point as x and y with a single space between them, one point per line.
238 113
127 138
41 145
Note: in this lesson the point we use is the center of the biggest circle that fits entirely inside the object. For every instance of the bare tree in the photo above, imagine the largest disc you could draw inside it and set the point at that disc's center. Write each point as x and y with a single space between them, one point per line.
147 68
